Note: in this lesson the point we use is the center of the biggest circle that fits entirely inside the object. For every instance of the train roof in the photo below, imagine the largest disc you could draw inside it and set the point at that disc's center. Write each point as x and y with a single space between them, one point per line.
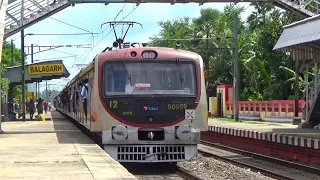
163 53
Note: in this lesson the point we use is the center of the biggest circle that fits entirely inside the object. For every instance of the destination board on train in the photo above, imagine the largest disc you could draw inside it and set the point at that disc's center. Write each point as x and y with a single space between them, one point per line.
45 69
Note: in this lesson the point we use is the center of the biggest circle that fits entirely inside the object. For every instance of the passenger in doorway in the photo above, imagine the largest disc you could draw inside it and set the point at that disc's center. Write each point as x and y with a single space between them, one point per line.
84 95
31 108
78 95
74 94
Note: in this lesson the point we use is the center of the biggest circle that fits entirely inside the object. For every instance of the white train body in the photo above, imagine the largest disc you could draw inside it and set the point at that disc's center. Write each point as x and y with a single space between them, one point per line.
151 123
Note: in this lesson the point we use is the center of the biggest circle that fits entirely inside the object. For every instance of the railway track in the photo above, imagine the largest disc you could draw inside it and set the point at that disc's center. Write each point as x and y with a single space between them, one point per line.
186 174
159 171
279 169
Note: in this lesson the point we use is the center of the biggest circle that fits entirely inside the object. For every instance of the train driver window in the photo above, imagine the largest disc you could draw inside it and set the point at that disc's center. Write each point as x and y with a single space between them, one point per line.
115 78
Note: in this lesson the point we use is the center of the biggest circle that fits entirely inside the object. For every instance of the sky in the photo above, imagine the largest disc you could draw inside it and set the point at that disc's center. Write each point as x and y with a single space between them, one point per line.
90 17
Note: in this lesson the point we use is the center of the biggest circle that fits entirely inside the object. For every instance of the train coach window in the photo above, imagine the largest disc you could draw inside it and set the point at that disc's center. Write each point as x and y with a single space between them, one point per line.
161 77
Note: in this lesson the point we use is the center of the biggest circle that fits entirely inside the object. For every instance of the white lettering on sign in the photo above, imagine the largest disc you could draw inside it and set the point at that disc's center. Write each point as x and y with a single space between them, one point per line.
190 114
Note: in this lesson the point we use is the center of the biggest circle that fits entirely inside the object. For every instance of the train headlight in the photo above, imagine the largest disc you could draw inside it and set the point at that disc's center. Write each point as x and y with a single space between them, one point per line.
150 119
149 54
183 132
119 132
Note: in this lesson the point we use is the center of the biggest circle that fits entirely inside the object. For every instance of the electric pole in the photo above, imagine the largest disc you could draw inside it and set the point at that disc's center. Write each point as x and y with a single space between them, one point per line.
207 69
23 78
33 93
236 82
47 90
22 66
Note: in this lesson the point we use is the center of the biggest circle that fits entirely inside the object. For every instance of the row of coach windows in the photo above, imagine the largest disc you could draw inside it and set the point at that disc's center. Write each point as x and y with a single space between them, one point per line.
149 78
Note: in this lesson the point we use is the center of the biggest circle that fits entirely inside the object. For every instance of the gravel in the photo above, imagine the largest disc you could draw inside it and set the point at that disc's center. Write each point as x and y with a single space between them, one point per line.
210 168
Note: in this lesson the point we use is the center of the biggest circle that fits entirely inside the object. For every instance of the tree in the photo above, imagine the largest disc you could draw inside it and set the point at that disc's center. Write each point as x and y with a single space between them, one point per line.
6 62
51 94
264 73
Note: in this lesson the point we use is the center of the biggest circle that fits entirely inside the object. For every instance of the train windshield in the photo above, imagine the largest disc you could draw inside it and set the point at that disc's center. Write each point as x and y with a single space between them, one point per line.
161 77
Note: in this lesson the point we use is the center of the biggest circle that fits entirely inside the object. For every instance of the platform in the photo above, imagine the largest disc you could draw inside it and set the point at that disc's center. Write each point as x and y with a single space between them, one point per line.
283 133
54 149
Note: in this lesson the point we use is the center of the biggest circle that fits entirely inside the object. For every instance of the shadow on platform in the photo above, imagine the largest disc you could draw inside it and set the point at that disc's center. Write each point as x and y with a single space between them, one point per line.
65 131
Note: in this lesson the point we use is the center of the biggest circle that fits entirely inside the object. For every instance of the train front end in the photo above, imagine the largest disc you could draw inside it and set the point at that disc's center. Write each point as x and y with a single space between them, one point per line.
153 104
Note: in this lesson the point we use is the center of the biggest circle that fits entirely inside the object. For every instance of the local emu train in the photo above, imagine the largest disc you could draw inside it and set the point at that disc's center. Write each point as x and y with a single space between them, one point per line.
144 104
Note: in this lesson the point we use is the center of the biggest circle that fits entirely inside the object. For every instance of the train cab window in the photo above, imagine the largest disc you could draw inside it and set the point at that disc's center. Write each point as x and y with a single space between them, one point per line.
161 77
115 81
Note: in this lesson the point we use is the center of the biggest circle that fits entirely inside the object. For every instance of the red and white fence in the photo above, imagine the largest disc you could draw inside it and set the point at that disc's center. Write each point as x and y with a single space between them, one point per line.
268 108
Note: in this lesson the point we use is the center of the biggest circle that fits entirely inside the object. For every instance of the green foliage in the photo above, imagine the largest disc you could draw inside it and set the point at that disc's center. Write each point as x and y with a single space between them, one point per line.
265 74
6 61
17 93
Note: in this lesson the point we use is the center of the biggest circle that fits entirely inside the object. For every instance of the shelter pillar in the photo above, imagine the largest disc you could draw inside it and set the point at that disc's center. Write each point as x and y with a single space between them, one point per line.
296 88
227 92
307 94
10 97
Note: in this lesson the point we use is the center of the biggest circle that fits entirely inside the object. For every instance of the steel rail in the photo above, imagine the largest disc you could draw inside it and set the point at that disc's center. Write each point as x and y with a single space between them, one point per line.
247 165
287 163
186 174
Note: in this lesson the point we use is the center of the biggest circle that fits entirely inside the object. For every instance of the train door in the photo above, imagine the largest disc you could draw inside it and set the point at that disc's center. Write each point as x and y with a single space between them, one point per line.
84 102
77 100
90 89
85 105
80 103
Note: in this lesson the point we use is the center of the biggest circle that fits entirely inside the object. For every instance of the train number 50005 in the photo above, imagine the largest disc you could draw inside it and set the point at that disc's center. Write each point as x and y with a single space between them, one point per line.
177 106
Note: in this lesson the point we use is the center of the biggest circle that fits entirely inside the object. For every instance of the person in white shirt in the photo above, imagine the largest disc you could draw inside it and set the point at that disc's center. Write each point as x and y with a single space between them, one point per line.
128 87
84 95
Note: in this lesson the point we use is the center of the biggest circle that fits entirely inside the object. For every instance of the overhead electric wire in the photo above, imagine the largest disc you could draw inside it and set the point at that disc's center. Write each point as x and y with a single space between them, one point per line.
189 39
64 22
120 11
92 38
64 52
53 58
67 34
110 31
71 25
233 12
192 39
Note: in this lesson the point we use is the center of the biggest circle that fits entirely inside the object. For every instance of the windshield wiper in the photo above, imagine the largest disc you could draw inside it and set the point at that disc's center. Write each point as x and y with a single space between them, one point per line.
178 66
127 73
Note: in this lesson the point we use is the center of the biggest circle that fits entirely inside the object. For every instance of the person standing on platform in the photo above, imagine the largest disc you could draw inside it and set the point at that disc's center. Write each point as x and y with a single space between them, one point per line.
45 105
32 108
39 106
49 106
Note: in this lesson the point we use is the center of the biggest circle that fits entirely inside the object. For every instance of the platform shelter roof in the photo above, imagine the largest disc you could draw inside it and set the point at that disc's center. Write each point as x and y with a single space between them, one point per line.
301 39
45 70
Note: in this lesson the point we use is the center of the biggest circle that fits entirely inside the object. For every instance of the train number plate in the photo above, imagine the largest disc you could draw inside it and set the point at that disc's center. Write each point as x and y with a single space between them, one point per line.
177 106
